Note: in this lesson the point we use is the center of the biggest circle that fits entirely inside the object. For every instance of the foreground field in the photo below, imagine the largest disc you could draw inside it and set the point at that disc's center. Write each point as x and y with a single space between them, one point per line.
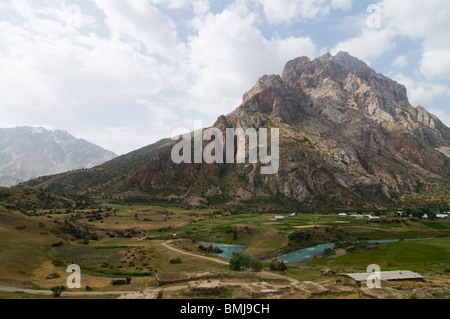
127 242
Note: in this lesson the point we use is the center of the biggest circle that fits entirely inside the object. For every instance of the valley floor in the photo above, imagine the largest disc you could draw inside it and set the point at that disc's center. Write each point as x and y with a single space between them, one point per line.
142 242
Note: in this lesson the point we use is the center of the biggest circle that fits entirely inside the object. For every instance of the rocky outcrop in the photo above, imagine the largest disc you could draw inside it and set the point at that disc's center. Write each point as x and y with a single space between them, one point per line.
76 229
210 248
53 276
278 264
327 272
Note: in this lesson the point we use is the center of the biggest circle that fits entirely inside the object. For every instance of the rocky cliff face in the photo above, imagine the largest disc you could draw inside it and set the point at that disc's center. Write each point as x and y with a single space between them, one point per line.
348 136
345 132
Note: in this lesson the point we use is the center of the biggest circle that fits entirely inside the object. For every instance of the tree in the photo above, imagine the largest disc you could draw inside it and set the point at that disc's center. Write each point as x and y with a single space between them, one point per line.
418 213
57 291
408 212
240 262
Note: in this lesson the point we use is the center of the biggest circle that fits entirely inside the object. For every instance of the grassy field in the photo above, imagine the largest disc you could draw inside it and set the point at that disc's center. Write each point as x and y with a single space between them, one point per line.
28 250
414 255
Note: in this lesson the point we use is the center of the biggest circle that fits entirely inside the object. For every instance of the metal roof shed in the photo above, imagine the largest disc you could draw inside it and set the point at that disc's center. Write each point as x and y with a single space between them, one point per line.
403 275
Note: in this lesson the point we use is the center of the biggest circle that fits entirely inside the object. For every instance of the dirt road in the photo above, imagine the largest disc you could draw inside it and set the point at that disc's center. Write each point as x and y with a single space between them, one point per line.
265 274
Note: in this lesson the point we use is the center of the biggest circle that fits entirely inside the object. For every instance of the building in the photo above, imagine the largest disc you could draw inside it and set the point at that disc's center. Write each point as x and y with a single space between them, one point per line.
442 216
279 218
359 279
342 215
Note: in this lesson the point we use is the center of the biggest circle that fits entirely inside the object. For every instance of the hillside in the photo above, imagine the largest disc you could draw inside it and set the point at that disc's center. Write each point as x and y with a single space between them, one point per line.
100 180
348 138
28 152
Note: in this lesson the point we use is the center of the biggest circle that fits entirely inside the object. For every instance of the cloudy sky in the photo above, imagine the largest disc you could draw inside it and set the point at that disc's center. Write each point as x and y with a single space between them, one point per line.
125 73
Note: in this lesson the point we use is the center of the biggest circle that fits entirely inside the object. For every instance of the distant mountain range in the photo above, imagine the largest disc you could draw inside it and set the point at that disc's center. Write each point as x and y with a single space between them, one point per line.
30 152
348 138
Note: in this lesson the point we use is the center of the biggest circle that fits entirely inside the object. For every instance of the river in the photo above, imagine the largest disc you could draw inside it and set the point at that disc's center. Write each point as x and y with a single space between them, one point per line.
301 255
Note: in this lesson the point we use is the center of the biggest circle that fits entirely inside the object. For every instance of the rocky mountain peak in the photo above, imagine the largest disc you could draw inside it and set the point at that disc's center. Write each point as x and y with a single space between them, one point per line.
329 85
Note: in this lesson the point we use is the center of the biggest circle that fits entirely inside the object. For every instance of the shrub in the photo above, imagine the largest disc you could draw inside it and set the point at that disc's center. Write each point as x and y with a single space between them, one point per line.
58 244
329 252
58 263
57 291
176 261
121 282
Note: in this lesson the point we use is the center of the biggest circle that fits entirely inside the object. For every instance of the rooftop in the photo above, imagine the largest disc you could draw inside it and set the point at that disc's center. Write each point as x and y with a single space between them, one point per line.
387 275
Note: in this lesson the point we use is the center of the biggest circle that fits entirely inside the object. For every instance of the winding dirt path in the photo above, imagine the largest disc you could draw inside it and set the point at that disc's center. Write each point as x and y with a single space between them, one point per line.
266 274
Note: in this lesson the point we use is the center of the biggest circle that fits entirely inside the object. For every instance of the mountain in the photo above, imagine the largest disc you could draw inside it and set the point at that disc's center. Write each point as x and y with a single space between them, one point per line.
29 152
348 138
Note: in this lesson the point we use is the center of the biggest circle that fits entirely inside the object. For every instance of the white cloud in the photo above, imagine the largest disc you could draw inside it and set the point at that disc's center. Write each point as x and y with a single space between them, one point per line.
416 19
369 44
427 23
126 63
139 21
229 53
420 92
57 71
120 140
435 64
400 62
172 4
287 11
345 5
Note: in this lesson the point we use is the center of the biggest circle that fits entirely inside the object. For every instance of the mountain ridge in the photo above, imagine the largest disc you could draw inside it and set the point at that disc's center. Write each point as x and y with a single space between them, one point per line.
29 152
348 136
